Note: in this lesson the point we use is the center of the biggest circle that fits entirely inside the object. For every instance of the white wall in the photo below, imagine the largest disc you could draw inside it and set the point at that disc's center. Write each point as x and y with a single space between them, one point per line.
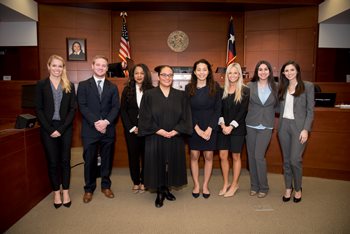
19 23
334 36
18 34
334 26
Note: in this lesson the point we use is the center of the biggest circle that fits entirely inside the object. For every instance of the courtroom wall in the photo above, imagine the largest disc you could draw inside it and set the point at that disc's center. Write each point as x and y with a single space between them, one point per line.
275 35
57 23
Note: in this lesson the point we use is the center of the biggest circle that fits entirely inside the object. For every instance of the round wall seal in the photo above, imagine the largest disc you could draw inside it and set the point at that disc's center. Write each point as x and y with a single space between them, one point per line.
178 41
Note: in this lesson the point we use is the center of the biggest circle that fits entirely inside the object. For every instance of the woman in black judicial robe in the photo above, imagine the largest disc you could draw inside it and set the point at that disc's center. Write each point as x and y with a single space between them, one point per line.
165 116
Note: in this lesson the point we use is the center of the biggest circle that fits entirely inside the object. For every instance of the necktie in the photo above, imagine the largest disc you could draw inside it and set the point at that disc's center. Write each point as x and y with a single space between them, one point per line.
99 88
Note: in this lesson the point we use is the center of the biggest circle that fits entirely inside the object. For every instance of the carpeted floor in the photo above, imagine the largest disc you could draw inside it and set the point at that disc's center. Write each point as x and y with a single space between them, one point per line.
324 209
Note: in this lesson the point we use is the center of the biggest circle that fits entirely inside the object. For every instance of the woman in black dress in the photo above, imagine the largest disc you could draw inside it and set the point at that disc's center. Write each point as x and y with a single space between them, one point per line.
235 100
165 116
140 80
204 95
55 107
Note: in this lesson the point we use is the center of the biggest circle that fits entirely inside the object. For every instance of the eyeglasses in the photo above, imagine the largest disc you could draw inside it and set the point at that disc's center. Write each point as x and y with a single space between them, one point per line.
166 75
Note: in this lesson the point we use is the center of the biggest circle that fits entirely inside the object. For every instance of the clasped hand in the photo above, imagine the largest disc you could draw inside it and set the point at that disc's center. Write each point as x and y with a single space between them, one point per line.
101 126
55 134
204 134
226 130
166 134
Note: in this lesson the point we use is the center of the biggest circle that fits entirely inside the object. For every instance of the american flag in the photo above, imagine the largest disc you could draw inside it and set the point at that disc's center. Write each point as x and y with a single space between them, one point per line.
231 46
124 51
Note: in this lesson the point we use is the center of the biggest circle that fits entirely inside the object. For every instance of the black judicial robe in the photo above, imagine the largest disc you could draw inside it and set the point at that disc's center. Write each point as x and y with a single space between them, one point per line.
164 154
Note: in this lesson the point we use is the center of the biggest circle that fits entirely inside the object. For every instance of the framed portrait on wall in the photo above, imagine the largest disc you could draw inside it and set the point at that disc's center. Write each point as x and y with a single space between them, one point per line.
76 49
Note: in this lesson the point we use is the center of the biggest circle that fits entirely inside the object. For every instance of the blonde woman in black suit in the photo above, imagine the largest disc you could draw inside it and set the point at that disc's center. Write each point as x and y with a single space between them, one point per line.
260 122
235 100
140 80
296 115
56 106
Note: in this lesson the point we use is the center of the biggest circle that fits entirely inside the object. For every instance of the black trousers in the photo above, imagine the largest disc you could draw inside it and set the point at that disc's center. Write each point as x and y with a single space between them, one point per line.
136 156
105 146
58 155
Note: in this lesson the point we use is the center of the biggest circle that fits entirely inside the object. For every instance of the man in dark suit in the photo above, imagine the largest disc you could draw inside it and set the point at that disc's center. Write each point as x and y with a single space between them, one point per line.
98 101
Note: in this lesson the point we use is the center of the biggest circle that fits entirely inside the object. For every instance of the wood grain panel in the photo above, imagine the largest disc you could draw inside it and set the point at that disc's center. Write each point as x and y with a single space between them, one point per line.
261 20
294 39
58 22
207 32
306 38
23 173
301 17
287 39
10 99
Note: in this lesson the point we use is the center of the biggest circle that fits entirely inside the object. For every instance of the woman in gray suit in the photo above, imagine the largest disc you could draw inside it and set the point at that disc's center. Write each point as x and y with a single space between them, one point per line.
296 116
260 121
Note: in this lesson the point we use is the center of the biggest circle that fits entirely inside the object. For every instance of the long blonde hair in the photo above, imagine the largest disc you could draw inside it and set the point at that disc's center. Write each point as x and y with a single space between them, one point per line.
239 83
65 83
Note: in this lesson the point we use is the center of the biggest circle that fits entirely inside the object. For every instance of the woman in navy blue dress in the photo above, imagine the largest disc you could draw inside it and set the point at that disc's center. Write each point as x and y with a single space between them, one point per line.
205 99
235 101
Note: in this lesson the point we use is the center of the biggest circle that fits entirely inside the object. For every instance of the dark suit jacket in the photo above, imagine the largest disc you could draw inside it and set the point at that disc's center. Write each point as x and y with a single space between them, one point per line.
236 111
94 109
45 107
129 110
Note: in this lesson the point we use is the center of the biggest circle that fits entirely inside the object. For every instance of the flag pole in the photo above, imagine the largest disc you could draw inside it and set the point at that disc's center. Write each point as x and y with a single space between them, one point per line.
124 51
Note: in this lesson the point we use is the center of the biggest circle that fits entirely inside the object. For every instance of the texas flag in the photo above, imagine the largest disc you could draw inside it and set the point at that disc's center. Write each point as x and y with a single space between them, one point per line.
231 47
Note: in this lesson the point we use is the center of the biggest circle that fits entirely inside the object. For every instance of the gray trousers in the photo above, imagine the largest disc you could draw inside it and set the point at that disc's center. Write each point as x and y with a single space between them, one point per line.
292 151
257 141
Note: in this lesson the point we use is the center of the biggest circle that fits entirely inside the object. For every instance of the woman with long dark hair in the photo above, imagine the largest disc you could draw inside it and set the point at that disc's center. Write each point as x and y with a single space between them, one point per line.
140 80
260 122
296 115
204 95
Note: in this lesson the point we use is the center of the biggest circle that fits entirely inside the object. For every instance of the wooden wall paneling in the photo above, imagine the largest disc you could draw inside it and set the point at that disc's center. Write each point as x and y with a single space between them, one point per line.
261 20
207 32
21 63
295 37
58 22
287 39
37 178
23 173
325 62
13 178
299 17
12 105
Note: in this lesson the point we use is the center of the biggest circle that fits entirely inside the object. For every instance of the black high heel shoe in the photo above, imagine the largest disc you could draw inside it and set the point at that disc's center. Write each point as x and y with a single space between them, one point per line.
195 195
57 205
206 195
296 200
287 199
68 204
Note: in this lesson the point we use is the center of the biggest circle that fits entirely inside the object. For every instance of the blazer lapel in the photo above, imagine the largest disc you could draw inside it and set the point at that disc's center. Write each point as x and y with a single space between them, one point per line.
49 90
